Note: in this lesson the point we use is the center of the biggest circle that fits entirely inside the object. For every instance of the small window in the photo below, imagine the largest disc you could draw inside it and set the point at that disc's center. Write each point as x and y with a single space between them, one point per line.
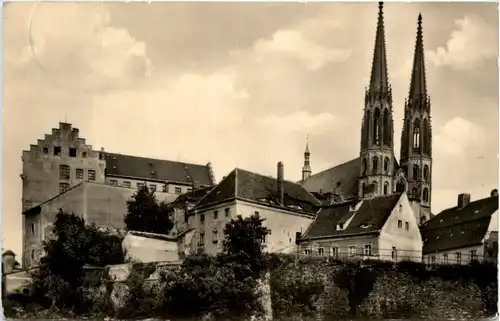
320 251
400 224
445 258
263 239
202 218
202 239
334 251
227 212
367 251
126 184
45 150
113 182
214 236
433 259
473 255
216 215
352 250
407 226
33 228
79 173
307 251
64 172
57 150
152 188
63 187
394 253
32 254
91 175
257 214
72 152
400 207
178 190
84 154
458 257
164 188
140 185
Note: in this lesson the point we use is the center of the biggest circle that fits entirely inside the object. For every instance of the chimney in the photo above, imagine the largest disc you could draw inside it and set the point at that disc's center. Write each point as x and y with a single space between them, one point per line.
494 193
463 200
281 193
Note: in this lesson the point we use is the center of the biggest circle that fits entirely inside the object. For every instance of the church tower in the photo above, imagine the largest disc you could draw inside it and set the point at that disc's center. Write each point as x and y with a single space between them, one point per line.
306 170
377 146
416 137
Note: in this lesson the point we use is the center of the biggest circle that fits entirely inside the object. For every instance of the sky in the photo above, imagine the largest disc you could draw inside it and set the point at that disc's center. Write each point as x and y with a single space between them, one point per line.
242 84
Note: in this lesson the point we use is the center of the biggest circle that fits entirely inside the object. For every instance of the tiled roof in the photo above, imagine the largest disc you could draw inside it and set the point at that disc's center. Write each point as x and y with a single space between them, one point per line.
259 188
346 174
157 169
459 227
370 217
193 196
327 181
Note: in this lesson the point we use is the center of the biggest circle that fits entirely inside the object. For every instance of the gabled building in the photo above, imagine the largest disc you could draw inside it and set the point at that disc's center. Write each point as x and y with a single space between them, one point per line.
464 233
286 207
63 171
376 172
382 227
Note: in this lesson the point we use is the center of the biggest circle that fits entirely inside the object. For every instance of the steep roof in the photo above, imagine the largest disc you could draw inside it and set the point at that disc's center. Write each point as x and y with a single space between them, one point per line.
193 196
157 169
262 189
459 227
370 217
327 181
379 80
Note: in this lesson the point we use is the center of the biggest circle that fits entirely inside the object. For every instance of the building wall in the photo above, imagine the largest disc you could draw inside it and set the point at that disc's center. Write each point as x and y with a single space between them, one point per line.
101 204
338 248
465 255
144 249
159 186
283 225
401 233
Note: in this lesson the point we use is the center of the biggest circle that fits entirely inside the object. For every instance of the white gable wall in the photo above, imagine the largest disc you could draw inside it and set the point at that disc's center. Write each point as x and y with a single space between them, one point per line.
408 242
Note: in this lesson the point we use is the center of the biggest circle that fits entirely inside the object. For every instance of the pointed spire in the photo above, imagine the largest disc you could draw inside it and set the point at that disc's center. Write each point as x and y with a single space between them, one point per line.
379 81
418 86
307 145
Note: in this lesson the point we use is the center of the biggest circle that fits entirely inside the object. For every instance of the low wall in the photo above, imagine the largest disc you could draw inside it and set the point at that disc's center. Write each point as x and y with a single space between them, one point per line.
328 290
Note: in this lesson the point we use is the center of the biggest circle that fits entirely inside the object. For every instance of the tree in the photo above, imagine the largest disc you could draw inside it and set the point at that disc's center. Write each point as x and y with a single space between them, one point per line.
59 280
245 241
146 214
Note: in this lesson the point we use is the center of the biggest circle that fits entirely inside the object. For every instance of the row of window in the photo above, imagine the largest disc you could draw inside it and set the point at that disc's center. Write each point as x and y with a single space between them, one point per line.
375 165
417 172
215 215
458 257
352 251
152 187
65 173
57 150
400 225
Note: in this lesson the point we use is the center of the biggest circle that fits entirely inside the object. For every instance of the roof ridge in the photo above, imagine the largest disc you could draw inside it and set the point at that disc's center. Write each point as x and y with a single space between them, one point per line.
215 186
157 159
330 168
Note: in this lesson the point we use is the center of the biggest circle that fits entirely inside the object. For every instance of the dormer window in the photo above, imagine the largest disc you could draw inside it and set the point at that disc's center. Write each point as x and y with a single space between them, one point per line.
365 225
340 226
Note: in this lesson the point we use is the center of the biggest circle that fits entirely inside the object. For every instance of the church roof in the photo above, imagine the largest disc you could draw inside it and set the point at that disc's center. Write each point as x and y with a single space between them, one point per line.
457 227
328 180
418 86
369 218
157 169
379 80
254 187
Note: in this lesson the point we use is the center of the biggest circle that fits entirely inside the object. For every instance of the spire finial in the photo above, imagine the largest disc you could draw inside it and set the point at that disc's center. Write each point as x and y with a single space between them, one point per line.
307 144
379 80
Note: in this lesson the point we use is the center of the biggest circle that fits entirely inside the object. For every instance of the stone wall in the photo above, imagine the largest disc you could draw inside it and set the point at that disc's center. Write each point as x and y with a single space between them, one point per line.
311 288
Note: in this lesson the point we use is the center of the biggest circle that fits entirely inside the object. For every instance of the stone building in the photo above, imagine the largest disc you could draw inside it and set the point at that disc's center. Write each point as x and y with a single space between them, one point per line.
376 171
464 233
382 228
63 171
286 207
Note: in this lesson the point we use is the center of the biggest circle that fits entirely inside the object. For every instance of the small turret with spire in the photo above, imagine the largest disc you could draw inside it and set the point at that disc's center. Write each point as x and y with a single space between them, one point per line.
306 169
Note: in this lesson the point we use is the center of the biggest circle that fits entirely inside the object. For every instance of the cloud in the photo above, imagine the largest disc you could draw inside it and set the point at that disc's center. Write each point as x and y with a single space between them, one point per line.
80 48
292 44
456 137
473 41
302 122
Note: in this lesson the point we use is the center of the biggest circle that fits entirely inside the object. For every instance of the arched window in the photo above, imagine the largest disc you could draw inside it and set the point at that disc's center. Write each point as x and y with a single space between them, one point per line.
425 134
416 172
367 126
386 164
416 134
386 128
375 164
414 192
426 195
364 166
400 186
375 187
376 127
386 188
426 172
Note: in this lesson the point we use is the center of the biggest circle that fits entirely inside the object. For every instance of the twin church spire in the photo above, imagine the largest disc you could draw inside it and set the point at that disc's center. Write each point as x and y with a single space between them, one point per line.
379 171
